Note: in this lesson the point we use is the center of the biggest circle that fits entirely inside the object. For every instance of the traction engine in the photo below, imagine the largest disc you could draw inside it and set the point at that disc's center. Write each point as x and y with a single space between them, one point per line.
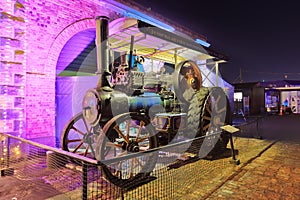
122 115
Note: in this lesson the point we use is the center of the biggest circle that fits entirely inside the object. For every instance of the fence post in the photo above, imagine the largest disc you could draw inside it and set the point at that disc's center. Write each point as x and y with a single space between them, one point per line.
234 160
84 181
7 171
8 153
258 136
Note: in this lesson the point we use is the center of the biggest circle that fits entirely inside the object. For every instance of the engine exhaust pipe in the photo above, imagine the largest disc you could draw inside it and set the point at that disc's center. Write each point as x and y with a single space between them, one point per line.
102 51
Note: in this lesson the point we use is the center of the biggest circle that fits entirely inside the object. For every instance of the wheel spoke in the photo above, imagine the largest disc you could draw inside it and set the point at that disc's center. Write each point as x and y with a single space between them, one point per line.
142 139
75 140
207 118
127 129
209 101
85 125
140 129
86 150
116 128
81 143
208 109
77 130
221 110
206 127
111 144
217 102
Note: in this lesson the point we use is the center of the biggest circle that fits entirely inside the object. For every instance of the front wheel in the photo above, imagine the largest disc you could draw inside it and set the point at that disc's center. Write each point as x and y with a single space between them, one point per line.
79 137
127 134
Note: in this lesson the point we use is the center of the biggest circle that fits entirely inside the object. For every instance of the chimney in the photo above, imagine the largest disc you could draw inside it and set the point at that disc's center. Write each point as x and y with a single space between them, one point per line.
102 50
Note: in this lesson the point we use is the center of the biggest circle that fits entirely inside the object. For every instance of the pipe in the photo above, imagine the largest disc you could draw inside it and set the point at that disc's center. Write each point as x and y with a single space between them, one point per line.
217 74
175 57
102 50
131 52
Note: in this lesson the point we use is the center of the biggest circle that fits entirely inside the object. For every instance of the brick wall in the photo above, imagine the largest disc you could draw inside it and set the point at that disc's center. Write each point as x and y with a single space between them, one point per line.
45 27
12 67
49 25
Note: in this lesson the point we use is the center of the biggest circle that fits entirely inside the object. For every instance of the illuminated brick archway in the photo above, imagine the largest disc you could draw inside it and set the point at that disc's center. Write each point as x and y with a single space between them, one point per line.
55 51
64 36
48 27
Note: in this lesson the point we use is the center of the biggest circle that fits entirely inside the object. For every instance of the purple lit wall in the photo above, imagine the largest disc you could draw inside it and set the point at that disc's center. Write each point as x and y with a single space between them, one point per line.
50 26
12 67
34 34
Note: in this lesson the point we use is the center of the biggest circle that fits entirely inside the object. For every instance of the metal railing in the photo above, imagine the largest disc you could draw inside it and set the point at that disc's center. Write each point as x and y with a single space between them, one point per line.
249 126
62 179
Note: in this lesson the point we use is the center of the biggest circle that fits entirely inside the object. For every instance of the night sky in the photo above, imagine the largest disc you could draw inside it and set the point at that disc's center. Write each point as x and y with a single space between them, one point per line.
260 37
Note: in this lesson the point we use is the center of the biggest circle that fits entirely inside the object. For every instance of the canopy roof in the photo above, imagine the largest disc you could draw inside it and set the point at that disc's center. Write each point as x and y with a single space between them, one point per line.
79 54
156 43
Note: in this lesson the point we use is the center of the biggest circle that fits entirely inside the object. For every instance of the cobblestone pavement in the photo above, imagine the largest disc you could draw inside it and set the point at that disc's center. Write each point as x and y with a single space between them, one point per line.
273 174
269 169
201 179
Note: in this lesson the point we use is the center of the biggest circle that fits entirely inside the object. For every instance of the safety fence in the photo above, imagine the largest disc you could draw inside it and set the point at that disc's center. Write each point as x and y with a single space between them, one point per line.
57 174
249 126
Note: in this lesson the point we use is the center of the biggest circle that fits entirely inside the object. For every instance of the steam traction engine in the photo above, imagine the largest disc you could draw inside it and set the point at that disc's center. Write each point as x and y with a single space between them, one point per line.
124 115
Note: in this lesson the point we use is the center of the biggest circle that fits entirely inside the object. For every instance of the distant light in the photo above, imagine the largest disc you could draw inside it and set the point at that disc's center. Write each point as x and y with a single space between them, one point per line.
129 12
238 96
203 43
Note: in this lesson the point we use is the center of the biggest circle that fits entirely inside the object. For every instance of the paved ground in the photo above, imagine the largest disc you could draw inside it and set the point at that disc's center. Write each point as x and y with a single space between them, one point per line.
269 169
275 172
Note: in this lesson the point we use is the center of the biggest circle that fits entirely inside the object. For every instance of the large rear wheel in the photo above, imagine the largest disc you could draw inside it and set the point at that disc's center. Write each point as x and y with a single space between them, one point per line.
209 110
216 113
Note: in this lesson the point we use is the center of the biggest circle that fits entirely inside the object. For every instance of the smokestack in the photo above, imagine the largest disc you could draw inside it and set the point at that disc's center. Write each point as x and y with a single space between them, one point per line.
102 50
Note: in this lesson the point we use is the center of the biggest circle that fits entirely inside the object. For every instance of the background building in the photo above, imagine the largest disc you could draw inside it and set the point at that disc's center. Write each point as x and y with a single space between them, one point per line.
267 96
